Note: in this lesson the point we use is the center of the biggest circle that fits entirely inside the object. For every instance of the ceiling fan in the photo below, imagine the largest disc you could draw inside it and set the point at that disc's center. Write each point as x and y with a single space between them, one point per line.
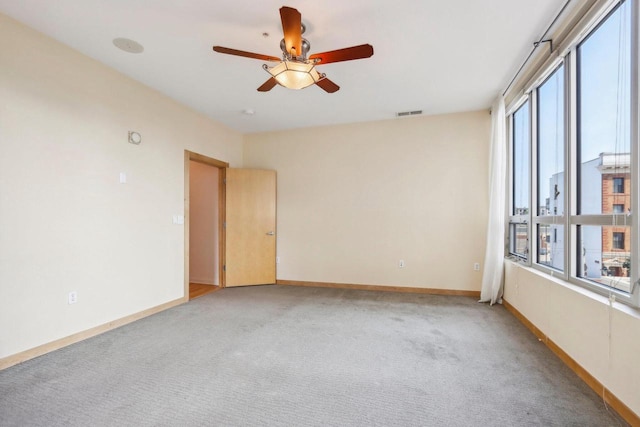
294 70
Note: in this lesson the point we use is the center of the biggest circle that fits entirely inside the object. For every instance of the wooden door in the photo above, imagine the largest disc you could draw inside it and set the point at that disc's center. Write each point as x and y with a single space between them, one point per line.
250 239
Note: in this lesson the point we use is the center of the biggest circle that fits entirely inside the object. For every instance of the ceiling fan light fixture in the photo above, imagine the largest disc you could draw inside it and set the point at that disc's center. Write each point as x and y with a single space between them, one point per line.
294 75
295 70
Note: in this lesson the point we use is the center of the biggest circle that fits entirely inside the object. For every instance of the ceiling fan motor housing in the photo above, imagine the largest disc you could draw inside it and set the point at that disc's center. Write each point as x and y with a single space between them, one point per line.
306 47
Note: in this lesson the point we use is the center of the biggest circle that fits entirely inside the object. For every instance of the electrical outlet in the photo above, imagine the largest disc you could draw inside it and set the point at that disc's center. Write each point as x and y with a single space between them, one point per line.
73 297
476 266
401 264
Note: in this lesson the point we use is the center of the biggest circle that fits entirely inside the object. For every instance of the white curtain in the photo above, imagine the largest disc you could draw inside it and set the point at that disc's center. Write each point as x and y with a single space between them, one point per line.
492 280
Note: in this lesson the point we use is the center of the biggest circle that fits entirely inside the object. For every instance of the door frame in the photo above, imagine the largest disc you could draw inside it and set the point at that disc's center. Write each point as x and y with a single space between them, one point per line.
222 168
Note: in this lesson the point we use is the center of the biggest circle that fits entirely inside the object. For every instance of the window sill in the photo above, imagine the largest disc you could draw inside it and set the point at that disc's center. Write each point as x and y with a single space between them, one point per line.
587 293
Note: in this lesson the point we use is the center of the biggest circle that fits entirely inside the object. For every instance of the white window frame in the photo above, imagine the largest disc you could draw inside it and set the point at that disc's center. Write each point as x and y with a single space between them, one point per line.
518 219
536 219
606 219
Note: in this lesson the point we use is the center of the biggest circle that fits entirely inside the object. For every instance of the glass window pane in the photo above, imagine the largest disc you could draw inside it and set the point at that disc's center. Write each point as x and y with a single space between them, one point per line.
605 256
604 142
618 185
518 238
551 145
520 179
551 246
618 208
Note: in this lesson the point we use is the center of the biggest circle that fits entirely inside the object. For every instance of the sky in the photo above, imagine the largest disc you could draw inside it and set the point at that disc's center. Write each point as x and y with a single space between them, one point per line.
604 66
521 131
550 134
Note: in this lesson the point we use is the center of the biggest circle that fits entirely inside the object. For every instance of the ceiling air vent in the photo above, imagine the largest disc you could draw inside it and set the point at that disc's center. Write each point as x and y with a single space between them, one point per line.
409 113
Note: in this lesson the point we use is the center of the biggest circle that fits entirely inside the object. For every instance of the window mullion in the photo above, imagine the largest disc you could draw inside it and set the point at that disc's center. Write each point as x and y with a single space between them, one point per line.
569 142
603 220
635 140
571 159
533 175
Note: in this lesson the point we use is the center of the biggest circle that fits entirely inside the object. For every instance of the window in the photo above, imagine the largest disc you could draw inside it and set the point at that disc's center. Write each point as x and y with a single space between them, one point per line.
573 153
521 132
618 185
518 222
618 240
603 259
550 176
550 145
603 159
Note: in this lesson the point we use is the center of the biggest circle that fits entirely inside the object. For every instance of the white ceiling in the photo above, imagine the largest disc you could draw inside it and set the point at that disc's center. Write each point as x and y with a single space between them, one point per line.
438 56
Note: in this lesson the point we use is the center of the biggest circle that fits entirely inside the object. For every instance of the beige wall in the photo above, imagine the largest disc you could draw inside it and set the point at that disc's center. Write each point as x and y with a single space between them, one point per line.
203 224
602 339
355 199
66 223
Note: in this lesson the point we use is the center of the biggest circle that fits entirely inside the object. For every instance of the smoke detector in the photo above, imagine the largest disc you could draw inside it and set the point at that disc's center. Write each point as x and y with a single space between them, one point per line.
128 45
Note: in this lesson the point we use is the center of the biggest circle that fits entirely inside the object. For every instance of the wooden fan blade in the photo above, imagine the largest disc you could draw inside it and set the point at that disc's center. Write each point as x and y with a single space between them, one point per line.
268 85
327 85
292 29
346 54
236 52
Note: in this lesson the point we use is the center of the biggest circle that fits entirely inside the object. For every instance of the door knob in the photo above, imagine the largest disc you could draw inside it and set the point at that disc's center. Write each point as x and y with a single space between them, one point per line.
270 233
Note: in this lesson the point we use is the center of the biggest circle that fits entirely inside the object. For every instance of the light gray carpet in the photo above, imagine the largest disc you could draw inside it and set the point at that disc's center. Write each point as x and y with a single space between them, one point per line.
289 356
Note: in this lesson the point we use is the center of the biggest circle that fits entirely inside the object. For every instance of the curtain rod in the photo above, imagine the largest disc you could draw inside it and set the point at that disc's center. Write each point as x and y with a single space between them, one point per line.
535 46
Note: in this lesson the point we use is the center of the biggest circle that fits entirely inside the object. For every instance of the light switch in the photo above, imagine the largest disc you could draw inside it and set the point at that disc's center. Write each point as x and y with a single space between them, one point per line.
123 178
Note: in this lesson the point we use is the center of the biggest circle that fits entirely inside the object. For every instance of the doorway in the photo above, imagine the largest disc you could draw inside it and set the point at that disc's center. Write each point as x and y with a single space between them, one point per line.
204 224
